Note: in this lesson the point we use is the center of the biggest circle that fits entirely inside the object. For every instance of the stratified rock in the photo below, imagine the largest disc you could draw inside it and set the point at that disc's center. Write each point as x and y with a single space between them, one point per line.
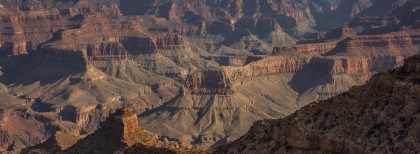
310 49
209 81
404 43
122 122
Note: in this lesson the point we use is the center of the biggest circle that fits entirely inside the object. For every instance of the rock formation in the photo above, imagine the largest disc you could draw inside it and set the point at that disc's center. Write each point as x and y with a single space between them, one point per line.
119 133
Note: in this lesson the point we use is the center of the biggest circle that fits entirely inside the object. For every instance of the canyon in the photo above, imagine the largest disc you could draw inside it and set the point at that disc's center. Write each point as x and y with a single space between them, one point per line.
198 73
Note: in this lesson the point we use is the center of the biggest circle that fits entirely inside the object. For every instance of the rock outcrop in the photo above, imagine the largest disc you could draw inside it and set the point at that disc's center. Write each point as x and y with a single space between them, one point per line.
274 65
119 133
209 81
221 80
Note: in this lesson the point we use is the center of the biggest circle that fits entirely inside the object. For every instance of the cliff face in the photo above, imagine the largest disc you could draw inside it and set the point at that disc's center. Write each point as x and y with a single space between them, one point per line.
271 65
312 49
170 42
366 65
122 122
379 116
137 45
403 43
209 81
104 51
357 65
70 58
229 60
368 21
220 81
